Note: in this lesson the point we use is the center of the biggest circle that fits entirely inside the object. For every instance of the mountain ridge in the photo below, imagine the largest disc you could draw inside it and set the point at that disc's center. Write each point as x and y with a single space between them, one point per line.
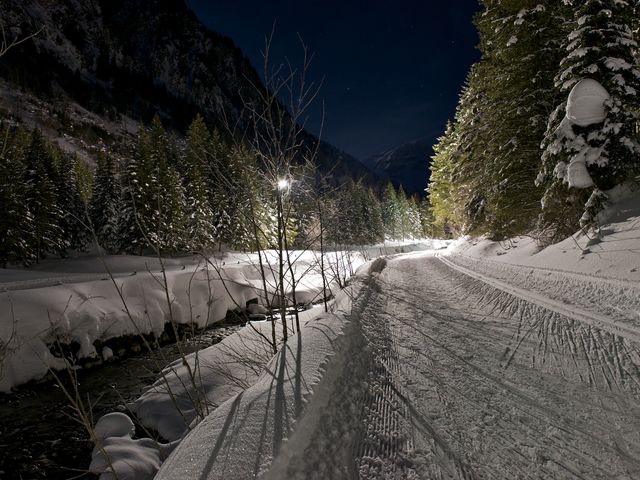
125 61
403 163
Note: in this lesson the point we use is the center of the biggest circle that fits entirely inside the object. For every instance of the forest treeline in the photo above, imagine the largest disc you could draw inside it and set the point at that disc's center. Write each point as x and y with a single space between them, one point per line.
514 161
174 196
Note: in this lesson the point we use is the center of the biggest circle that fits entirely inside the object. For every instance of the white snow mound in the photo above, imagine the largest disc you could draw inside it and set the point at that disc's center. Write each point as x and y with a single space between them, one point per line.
586 103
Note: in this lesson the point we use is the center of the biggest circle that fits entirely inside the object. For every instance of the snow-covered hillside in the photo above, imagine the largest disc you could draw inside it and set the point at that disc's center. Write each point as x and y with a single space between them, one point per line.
112 65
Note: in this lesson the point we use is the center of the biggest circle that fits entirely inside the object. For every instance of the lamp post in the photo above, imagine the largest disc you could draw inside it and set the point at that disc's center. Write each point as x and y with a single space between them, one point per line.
281 186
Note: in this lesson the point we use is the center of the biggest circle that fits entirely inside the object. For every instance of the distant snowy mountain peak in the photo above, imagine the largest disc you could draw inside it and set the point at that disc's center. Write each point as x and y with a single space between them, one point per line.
405 165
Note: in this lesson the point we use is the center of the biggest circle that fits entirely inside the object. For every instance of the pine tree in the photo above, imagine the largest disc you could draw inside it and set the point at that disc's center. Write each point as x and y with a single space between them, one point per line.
74 220
376 227
153 197
222 174
443 188
136 199
168 203
391 213
413 213
484 167
580 161
236 197
340 219
106 205
172 218
200 229
403 213
521 48
16 221
427 220
41 199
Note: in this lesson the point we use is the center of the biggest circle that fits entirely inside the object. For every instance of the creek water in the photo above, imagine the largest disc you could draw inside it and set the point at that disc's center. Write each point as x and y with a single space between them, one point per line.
40 434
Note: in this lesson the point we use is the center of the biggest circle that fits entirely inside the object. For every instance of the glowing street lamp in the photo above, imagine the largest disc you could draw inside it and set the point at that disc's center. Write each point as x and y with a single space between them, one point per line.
283 184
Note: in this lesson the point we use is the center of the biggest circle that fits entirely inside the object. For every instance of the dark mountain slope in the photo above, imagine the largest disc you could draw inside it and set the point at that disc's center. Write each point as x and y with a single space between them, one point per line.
126 60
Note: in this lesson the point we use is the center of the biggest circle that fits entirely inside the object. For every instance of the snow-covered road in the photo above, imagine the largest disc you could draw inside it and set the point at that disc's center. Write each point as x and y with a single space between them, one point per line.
470 376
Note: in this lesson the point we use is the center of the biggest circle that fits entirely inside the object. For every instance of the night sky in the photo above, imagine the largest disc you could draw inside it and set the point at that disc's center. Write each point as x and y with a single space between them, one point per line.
392 70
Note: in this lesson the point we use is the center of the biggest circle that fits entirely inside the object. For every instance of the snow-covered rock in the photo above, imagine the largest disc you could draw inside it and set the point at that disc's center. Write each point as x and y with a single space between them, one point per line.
128 458
114 425
586 103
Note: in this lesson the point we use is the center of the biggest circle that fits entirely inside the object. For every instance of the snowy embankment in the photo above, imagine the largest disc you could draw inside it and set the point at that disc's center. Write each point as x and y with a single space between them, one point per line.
195 397
598 274
270 424
39 310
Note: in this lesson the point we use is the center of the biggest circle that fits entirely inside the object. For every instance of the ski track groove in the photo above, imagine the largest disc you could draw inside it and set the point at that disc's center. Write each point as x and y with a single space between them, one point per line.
471 378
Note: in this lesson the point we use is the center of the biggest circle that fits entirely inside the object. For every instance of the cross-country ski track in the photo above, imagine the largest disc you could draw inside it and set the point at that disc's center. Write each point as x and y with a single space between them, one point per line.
472 377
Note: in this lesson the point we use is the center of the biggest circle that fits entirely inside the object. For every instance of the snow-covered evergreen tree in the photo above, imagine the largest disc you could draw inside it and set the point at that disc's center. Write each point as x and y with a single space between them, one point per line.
413 217
442 187
391 212
41 199
16 221
138 182
75 216
521 43
236 197
200 229
376 227
153 197
591 142
106 205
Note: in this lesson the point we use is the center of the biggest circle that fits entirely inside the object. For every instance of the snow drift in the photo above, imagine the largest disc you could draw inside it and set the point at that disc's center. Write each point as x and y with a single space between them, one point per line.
199 292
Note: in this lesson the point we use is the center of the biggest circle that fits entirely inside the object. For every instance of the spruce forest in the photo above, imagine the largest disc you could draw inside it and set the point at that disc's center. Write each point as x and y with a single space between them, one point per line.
173 196
502 167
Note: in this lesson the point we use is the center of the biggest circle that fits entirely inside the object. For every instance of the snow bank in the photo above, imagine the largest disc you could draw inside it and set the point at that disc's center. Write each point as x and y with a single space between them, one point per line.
199 292
612 253
263 393
207 378
598 272
262 428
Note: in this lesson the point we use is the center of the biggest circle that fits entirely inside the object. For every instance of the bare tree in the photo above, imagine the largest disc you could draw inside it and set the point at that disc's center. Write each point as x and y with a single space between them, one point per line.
276 115
7 44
